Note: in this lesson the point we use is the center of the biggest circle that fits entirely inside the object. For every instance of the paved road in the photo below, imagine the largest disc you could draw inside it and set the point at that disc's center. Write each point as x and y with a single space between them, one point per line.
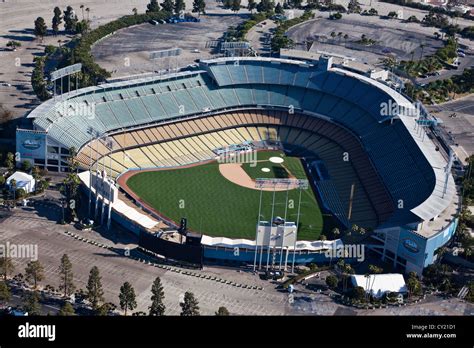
459 129
466 62
259 37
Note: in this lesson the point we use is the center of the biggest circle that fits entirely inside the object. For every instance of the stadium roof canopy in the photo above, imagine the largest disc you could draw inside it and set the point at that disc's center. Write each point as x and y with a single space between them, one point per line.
379 117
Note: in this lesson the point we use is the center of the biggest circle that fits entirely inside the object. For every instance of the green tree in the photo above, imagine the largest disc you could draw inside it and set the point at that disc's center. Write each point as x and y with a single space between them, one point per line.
31 303
13 188
357 293
6 267
279 9
36 173
95 293
222 312
235 7
179 6
331 281
40 28
66 276
199 6
57 20
127 297
26 166
157 307
34 273
265 6
20 193
70 20
105 309
392 14
190 305
37 79
67 310
135 11
5 294
413 284
295 3
251 5
152 7
167 6
82 27
13 44
10 161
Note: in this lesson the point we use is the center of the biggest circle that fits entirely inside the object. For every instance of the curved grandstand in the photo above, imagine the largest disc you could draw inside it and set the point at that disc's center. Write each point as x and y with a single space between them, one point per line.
326 114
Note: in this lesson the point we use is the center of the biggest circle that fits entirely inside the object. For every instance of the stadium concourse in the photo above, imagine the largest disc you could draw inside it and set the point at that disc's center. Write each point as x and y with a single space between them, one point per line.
336 119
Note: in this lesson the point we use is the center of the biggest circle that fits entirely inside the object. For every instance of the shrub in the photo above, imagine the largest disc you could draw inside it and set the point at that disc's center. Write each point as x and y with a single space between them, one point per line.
331 281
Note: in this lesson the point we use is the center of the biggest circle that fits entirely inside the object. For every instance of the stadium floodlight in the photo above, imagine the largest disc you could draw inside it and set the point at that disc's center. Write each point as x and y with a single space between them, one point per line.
162 54
172 52
67 71
241 45
233 46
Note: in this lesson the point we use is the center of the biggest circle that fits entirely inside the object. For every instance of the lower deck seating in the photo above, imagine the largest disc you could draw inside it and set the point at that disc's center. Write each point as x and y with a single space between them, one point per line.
191 141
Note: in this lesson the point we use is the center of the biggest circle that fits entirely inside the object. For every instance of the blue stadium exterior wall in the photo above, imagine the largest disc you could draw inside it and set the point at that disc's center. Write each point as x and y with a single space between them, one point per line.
30 145
419 250
439 240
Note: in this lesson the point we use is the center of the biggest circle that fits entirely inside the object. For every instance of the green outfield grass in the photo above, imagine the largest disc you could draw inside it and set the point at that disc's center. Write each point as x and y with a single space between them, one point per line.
218 207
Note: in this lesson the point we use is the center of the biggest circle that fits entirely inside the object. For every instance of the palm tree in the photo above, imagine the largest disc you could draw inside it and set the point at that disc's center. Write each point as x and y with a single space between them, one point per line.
367 289
13 187
135 11
374 270
88 10
82 8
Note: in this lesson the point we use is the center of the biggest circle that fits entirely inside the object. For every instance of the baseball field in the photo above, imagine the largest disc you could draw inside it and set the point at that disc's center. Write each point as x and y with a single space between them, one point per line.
217 206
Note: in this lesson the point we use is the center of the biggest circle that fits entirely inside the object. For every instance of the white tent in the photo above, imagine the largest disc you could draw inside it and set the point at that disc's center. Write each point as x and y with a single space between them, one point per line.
379 284
23 181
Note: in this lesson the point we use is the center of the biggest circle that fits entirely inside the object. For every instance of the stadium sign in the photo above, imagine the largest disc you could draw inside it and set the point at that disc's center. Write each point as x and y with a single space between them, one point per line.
31 144
410 245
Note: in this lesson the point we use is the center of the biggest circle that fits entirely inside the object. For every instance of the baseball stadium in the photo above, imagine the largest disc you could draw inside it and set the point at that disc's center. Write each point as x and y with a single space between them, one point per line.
203 143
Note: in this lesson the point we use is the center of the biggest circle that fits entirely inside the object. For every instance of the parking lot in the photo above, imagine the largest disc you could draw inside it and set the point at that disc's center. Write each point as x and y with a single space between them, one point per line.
390 37
37 225
127 51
